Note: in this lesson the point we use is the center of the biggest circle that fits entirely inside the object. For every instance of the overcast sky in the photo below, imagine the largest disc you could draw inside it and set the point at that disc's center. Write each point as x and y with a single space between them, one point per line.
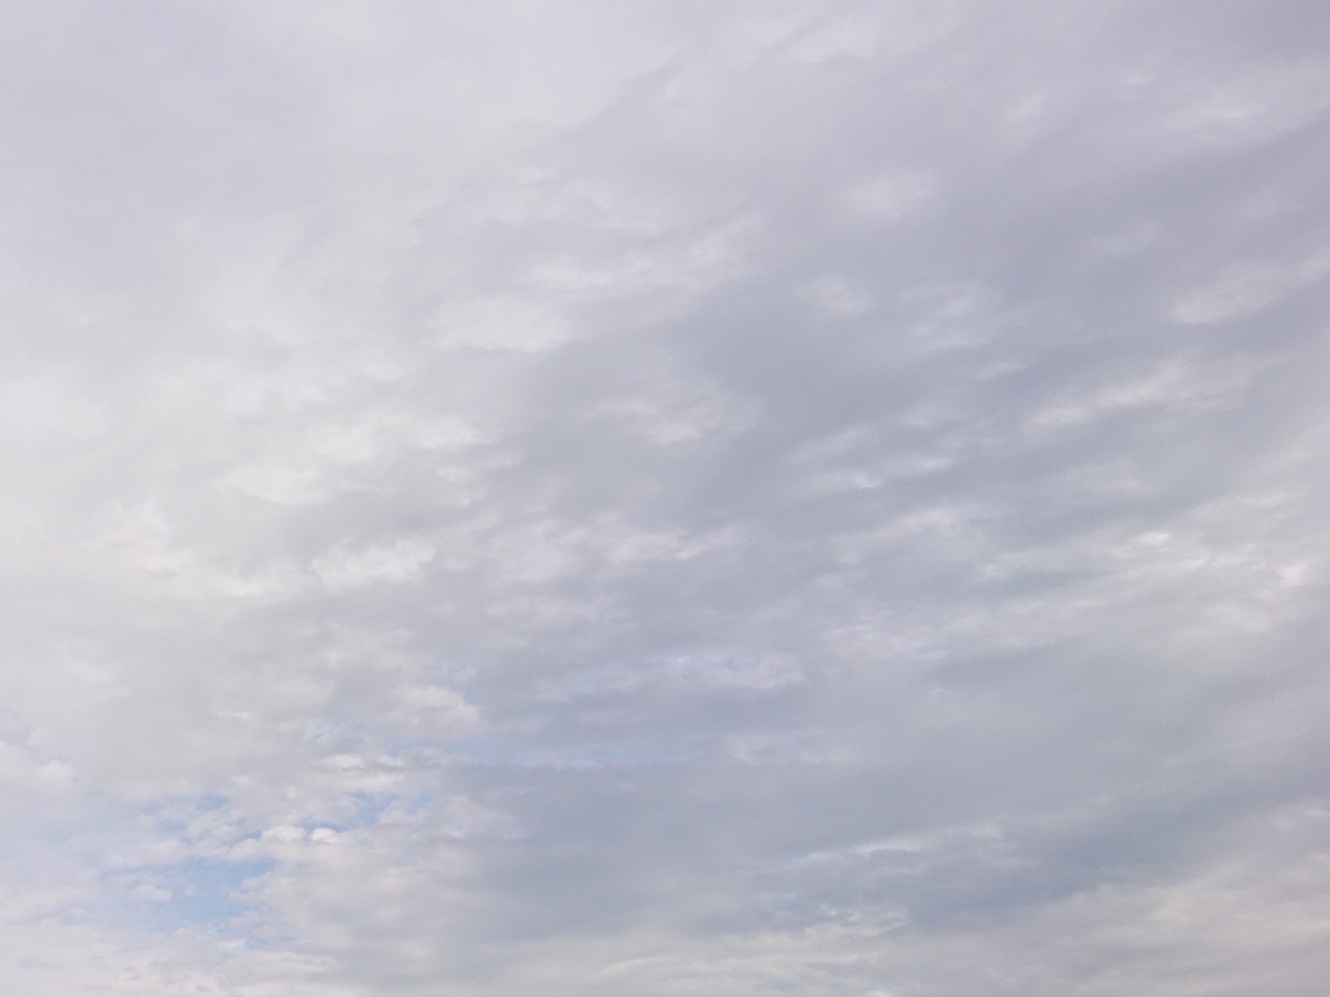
627 498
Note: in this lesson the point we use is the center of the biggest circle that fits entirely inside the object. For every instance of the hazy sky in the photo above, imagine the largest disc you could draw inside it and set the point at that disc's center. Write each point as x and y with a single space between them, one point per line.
606 498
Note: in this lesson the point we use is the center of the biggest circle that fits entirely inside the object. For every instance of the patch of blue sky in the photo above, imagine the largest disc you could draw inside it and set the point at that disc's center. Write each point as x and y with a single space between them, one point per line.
143 891
212 801
209 891
201 893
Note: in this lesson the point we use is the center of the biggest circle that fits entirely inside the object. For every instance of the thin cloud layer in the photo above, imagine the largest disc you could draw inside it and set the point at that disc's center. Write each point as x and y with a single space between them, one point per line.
594 499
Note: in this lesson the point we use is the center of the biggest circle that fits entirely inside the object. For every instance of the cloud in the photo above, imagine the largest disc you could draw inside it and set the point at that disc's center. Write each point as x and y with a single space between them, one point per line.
582 498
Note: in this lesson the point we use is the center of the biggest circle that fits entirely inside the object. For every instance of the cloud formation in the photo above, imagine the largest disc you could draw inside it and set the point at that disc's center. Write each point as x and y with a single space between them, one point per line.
599 498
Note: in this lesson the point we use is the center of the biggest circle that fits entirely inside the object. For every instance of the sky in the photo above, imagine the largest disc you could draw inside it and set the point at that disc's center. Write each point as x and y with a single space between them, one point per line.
638 498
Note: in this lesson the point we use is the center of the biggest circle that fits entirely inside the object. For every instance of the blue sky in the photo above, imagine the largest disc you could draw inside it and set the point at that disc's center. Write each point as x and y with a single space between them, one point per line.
599 498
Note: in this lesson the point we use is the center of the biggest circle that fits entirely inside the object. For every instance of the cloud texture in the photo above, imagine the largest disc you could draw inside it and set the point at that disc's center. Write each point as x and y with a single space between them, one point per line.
638 498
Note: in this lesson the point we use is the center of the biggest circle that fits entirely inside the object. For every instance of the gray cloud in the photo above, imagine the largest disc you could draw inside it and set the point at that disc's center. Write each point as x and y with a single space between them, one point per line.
590 499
